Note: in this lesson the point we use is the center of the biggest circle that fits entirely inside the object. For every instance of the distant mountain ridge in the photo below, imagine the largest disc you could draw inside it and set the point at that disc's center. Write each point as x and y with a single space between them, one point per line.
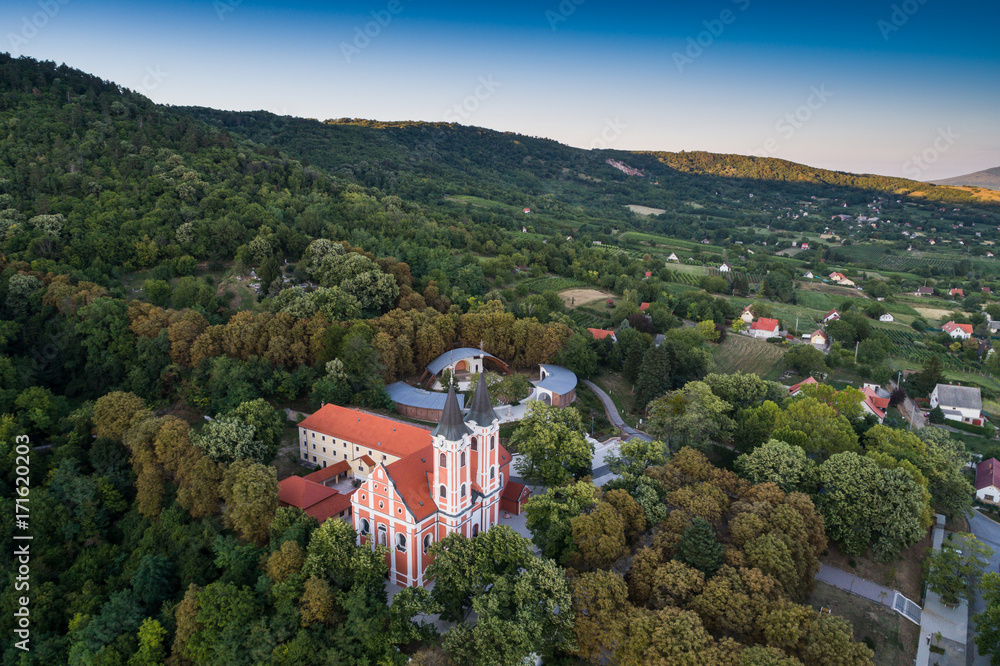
988 178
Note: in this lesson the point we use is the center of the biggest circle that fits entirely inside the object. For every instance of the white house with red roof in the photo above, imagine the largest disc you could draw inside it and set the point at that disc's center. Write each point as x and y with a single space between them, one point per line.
764 328
454 482
958 331
956 293
988 481
876 401
832 315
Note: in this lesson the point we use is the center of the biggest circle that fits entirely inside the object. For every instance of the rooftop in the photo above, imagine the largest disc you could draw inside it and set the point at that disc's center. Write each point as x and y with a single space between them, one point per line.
455 355
558 379
402 393
988 474
369 430
963 397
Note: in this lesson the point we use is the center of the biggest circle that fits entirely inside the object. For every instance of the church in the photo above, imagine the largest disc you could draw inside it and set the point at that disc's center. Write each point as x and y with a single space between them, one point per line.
451 484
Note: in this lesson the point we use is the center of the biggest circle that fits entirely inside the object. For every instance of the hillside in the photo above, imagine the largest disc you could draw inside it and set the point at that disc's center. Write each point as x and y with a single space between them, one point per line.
773 169
988 178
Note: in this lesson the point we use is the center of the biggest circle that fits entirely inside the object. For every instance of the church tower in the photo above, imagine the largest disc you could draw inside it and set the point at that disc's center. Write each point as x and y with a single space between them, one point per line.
453 473
484 424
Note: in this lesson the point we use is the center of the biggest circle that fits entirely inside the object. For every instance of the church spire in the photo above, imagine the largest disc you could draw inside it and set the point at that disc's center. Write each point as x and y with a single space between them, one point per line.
481 411
451 427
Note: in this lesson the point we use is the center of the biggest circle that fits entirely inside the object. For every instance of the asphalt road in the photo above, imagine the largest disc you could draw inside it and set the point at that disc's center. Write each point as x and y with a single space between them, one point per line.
613 415
989 533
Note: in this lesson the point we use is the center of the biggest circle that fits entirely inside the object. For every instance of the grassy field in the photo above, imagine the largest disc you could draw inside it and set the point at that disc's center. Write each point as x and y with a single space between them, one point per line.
621 394
740 353
893 637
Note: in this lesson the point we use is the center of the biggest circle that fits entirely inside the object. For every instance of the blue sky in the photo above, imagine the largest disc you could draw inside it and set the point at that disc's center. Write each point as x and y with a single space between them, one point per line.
857 86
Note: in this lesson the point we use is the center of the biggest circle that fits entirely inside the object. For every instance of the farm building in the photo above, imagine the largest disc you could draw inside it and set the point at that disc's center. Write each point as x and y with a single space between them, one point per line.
832 315
725 268
956 293
818 338
924 291
673 257
887 318
747 315
809 275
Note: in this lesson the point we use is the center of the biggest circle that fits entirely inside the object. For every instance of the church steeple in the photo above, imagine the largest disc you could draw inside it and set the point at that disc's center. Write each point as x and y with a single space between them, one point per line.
452 427
481 411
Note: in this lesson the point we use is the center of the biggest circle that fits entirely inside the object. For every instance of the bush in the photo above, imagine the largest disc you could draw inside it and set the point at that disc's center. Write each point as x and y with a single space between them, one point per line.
986 431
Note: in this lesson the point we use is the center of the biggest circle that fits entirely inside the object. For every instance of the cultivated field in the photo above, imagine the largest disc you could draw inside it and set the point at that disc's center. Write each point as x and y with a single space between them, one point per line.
932 313
740 353
645 210
577 297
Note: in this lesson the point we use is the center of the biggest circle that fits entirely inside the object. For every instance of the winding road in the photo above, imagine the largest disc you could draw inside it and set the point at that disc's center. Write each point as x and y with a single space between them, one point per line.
613 415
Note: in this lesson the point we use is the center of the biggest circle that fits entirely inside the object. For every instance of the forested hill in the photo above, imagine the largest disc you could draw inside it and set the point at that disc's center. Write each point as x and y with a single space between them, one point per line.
773 169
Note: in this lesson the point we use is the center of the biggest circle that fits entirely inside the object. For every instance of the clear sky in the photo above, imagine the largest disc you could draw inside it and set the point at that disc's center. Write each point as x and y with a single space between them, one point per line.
863 86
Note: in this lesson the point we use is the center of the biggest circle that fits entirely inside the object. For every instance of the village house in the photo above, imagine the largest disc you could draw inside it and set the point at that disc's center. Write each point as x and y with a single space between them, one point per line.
956 293
672 257
959 403
600 334
876 401
924 291
795 389
809 275
832 315
765 328
958 331
819 338
888 318
725 268
988 481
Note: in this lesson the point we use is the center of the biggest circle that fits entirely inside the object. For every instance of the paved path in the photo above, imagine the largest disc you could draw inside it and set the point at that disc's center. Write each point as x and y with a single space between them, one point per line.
951 624
613 415
988 532
848 582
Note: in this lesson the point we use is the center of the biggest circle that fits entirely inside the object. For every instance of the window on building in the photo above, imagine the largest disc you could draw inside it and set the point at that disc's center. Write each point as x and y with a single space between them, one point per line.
475 443
381 535
324 463
314 446
401 543
345 456
324 449
463 491
305 456
381 504
383 457
462 463
493 442
475 530
428 540
493 473
442 491
443 460
363 526
314 458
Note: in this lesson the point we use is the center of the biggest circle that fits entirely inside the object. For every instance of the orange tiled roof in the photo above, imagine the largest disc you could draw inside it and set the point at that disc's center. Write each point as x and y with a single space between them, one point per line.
331 506
366 459
368 430
600 334
321 475
764 324
302 493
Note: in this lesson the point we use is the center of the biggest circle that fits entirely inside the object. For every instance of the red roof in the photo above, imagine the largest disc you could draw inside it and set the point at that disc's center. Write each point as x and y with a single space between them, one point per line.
988 474
321 475
831 313
302 493
366 459
795 388
952 326
600 334
875 403
765 324
956 292
820 332
644 306
512 492
925 290
368 430
331 506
